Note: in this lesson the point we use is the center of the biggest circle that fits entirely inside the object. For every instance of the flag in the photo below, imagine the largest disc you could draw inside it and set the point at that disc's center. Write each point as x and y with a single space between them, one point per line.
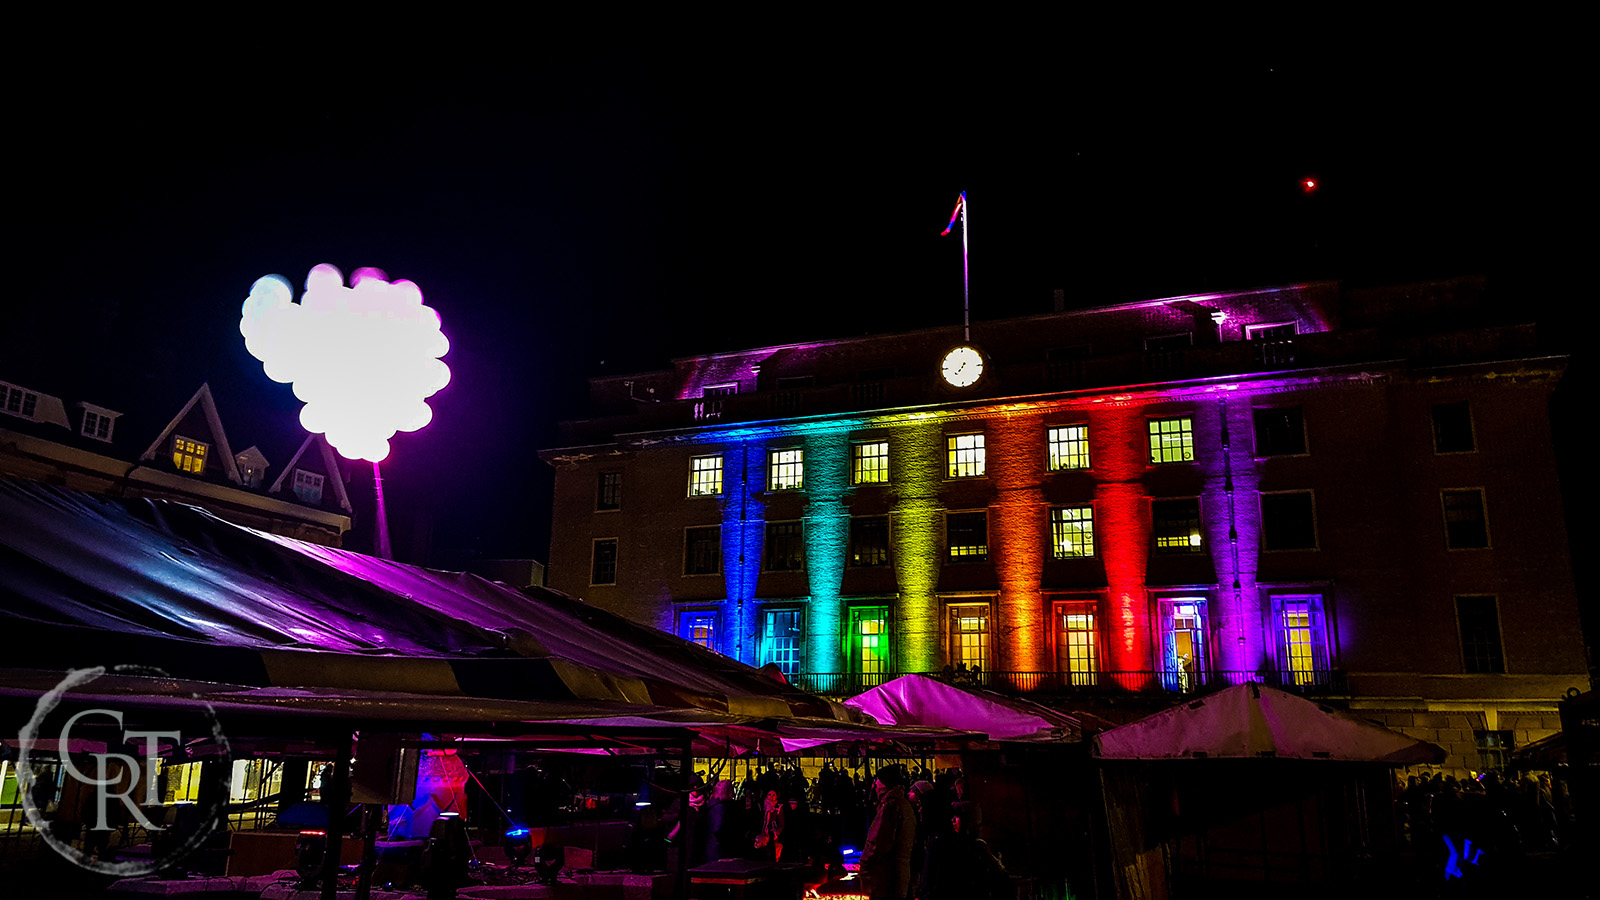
961 203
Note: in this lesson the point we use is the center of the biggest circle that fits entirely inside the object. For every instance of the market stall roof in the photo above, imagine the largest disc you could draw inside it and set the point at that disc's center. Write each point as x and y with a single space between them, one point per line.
1250 721
927 702
88 580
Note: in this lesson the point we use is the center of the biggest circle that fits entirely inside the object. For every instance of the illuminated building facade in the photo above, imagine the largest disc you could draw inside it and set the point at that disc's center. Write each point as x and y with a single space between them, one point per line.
1346 493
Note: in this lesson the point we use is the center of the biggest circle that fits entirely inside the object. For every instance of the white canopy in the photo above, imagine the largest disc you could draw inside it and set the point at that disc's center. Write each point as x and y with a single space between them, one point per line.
922 701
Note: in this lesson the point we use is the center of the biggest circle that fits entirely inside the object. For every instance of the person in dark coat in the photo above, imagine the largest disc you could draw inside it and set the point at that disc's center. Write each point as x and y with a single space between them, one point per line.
959 865
724 823
886 857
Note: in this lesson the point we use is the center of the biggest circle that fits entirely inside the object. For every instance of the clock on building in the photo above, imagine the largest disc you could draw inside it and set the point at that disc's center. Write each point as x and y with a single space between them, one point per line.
962 366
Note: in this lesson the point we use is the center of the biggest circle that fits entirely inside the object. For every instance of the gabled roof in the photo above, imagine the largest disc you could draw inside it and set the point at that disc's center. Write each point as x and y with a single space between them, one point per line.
329 464
208 407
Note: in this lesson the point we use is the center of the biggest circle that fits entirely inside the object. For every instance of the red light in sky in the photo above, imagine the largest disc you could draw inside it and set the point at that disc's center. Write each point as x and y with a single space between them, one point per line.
1308 184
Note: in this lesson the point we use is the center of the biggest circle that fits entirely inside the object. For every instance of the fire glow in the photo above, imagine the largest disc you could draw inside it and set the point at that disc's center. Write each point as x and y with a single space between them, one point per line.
364 359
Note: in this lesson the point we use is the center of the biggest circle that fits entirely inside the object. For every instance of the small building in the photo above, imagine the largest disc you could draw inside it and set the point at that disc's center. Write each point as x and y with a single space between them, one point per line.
191 460
1346 493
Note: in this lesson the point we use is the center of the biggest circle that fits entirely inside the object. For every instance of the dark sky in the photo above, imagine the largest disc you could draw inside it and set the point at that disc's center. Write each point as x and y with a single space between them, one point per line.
604 209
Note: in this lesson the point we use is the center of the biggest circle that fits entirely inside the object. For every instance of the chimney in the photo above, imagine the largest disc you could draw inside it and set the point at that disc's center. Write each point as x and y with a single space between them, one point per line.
1061 300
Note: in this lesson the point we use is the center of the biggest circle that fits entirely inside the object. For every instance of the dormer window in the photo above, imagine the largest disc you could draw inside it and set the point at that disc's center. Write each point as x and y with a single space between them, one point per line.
189 455
97 422
307 486
19 402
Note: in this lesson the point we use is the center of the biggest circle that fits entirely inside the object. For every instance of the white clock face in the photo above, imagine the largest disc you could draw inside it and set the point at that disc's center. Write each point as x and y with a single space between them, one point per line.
962 366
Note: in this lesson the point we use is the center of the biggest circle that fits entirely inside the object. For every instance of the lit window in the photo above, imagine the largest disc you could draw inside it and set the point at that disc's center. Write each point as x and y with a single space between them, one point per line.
1452 428
1465 525
1280 432
782 640
1288 521
969 635
869 644
604 568
786 547
1302 651
786 470
1479 620
869 541
967 536
609 494
705 476
966 455
1494 749
1172 440
307 486
869 463
698 627
702 550
1077 643
1183 637
1176 524
96 425
1069 447
1072 532
189 456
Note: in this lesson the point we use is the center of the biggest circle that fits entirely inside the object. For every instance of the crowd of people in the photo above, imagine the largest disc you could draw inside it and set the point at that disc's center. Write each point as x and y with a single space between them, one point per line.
917 831
1483 821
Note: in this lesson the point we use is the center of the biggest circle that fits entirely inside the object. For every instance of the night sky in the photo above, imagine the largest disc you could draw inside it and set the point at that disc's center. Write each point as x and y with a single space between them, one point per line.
605 209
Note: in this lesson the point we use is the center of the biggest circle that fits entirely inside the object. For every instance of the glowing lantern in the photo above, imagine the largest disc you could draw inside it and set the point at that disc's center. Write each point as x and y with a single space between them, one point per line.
363 358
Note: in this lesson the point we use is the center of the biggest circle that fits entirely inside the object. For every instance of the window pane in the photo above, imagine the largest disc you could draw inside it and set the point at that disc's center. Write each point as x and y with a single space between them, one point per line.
785 547
1452 428
787 469
1172 440
1464 522
705 476
699 628
1077 644
1183 627
610 491
967 536
702 551
869 541
1479 621
605 563
781 640
969 635
1069 447
1176 524
870 463
1280 432
966 455
869 643
1302 653
1072 532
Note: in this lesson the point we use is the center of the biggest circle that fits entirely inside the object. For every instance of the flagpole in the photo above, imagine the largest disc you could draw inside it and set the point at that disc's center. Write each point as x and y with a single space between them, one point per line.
966 283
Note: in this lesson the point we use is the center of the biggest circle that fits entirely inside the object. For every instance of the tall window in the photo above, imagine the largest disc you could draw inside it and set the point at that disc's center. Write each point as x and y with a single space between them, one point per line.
869 644
966 455
1288 521
1452 428
189 456
1176 524
869 463
1280 432
307 486
1302 649
782 640
969 635
1465 525
1478 617
1172 440
608 494
967 536
1069 447
869 541
705 476
786 470
1077 643
1072 532
698 627
1183 637
702 550
786 547
604 568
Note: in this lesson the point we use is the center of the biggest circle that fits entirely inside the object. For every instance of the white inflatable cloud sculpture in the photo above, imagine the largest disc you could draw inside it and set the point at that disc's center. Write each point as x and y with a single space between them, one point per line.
363 358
